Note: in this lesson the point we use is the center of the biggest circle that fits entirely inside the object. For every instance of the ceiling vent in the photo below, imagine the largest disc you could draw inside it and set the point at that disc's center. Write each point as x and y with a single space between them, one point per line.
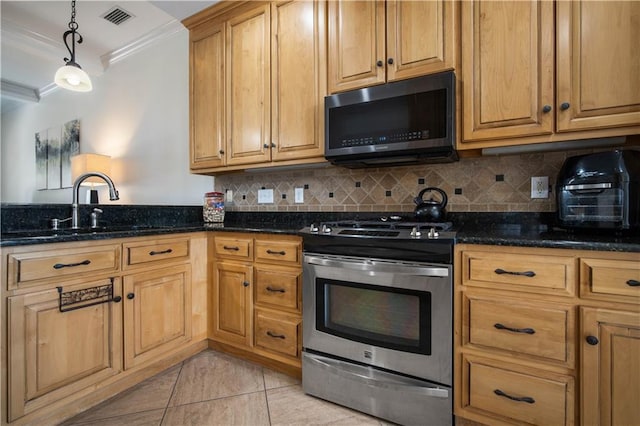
117 15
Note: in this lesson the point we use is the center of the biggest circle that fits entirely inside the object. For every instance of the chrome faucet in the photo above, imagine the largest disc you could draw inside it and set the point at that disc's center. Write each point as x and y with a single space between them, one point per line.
113 194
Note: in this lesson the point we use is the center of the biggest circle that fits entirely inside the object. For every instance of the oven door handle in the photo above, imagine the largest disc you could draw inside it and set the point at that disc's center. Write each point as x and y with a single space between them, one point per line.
373 266
345 369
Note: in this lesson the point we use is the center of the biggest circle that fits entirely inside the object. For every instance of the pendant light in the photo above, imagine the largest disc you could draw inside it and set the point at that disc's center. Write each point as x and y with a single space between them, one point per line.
71 76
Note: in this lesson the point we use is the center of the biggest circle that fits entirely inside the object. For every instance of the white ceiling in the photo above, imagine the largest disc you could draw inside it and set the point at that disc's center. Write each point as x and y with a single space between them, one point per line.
32 48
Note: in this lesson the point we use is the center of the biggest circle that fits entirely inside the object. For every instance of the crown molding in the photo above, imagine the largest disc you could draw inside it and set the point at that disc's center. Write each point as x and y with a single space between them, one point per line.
19 92
156 36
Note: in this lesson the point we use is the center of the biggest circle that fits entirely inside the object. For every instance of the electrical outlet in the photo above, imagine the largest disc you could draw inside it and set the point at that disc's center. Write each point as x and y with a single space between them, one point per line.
299 195
228 196
265 196
540 187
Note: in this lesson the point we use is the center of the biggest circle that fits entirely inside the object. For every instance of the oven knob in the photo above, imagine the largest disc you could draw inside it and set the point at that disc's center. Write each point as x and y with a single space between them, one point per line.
326 229
415 233
313 228
433 233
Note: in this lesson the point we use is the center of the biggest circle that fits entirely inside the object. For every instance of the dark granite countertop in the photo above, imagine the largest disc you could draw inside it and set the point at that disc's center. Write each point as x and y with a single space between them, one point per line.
541 235
505 229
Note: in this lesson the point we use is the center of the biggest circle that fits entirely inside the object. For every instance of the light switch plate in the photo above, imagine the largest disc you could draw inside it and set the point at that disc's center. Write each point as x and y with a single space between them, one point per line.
228 196
265 196
540 187
299 195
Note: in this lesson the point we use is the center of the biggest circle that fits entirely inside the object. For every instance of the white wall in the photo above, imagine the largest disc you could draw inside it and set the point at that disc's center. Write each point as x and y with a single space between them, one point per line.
137 113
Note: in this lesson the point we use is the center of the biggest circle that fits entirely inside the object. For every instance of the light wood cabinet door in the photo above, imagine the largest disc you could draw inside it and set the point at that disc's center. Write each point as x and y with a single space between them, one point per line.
420 37
610 367
598 69
157 311
356 52
54 354
232 303
248 84
507 69
298 79
207 97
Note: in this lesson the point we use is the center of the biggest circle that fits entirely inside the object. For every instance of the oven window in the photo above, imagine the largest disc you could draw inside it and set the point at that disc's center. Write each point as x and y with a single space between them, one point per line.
392 318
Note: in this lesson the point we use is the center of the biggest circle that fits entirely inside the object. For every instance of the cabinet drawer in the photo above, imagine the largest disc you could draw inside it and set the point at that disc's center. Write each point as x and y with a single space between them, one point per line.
278 288
277 333
282 252
545 274
141 252
237 248
528 398
32 268
607 279
543 331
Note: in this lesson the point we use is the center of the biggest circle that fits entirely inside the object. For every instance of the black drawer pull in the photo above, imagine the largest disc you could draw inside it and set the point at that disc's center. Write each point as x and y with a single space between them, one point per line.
275 336
231 248
515 330
153 253
275 290
281 253
525 273
71 265
633 283
526 399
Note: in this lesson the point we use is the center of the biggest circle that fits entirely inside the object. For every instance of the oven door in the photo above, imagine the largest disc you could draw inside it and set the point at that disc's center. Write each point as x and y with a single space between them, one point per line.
389 314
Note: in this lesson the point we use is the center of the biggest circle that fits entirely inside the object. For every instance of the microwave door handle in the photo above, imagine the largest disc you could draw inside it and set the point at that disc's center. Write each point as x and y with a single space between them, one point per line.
345 369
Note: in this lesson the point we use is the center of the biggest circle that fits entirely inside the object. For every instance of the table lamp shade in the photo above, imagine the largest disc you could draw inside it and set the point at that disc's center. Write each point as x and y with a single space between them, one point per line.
84 163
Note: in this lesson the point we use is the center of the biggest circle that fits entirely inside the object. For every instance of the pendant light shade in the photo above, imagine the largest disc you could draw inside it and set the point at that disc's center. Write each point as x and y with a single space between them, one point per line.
71 76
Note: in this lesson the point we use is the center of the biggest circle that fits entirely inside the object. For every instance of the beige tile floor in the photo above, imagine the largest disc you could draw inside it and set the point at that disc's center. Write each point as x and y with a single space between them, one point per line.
212 388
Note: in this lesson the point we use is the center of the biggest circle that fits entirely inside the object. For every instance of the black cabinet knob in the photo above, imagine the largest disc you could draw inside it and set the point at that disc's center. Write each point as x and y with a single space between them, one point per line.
565 106
221 151
117 299
390 61
546 108
245 283
379 63
592 340
130 296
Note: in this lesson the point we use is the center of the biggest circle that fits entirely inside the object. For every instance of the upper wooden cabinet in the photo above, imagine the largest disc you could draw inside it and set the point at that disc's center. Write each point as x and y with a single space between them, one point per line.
258 80
598 70
375 42
527 78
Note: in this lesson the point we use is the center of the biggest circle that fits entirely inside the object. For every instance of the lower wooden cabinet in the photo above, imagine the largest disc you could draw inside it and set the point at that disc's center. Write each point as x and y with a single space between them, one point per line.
54 354
76 338
157 311
256 302
232 306
610 366
519 394
546 336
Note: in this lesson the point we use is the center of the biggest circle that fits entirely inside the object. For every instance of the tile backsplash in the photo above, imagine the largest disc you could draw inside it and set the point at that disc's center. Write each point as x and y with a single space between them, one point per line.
482 184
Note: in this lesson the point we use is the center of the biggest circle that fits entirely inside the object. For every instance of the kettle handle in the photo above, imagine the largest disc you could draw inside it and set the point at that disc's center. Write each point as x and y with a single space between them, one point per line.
443 203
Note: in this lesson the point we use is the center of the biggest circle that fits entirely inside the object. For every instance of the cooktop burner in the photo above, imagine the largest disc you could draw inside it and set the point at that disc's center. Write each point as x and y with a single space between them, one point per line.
386 227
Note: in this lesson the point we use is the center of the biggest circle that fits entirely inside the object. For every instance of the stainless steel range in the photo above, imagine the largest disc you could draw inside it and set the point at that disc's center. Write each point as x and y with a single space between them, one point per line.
377 307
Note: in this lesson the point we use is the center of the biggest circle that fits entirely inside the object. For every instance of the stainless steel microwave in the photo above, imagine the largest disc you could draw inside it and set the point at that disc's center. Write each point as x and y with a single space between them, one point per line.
405 122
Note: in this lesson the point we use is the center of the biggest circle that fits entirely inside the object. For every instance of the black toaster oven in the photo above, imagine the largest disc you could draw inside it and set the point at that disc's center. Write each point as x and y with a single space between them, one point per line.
600 191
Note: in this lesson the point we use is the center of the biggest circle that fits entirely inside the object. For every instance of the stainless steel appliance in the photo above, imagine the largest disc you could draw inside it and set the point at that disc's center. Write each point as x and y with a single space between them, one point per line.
377 318
404 122
600 190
